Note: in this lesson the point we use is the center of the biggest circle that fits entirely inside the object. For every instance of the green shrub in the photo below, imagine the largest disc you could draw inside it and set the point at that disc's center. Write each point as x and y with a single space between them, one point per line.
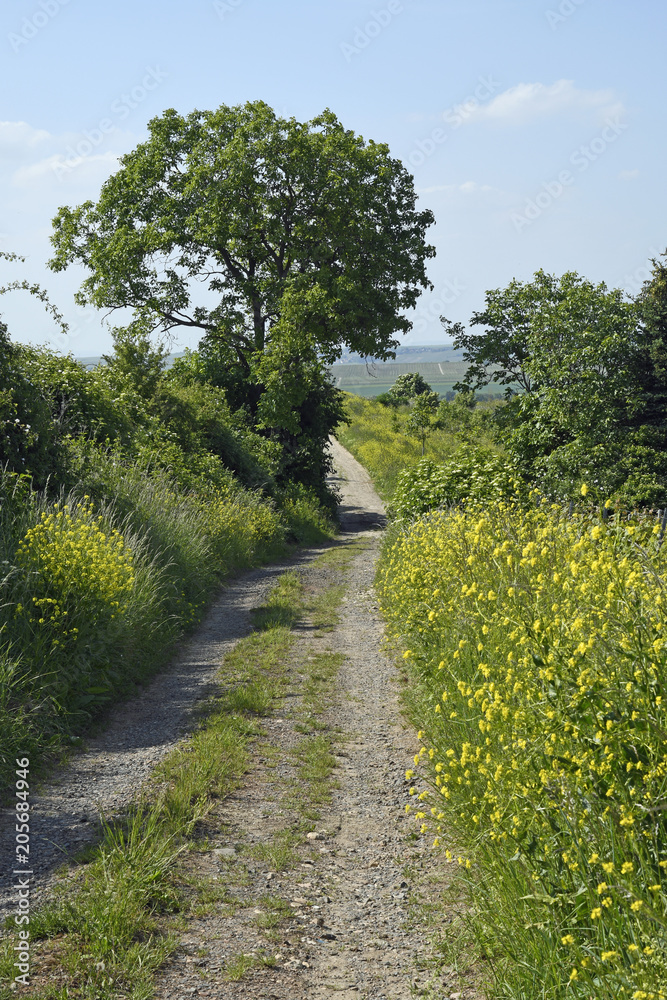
28 436
83 401
470 474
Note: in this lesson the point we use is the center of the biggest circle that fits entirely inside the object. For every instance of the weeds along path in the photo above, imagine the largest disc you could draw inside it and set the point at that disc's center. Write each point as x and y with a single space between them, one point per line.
325 887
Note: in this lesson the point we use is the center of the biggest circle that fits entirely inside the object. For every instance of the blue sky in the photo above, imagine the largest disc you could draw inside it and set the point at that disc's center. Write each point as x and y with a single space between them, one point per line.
534 128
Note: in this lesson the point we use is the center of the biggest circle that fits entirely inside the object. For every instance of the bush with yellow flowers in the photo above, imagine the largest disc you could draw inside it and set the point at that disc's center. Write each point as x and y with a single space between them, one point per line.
539 644
76 579
70 556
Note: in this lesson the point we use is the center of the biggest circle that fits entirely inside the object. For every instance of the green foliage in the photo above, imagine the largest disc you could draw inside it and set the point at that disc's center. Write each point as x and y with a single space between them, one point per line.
28 437
408 386
83 401
299 408
91 606
280 219
136 359
307 520
422 418
306 237
534 641
387 399
287 407
470 474
594 379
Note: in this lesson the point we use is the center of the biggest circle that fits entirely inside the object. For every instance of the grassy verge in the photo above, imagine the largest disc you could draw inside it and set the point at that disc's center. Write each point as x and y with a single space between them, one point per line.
377 437
117 916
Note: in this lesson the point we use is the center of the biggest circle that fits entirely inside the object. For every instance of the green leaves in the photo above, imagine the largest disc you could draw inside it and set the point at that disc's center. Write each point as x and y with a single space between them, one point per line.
422 418
470 474
279 240
271 215
589 369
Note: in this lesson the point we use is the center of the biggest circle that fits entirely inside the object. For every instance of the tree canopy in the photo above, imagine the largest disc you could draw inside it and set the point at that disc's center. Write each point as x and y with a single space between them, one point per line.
240 224
585 373
408 386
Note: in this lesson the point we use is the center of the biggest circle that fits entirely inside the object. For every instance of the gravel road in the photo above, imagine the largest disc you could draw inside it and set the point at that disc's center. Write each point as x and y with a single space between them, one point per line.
360 895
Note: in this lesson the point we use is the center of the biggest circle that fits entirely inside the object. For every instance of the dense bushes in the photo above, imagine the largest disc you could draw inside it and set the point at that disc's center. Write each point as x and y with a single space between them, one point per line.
128 494
470 473
28 436
591 371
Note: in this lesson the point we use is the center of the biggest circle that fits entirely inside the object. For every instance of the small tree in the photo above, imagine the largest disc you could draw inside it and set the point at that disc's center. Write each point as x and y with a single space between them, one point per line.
459 415
423 416
136 358
407 387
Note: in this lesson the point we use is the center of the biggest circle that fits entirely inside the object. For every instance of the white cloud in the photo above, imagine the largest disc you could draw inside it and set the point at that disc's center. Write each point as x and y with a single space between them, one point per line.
527 102
628 175
59 168
18 140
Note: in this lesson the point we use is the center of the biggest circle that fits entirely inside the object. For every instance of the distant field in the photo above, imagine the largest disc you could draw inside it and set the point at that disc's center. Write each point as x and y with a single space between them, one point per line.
377 378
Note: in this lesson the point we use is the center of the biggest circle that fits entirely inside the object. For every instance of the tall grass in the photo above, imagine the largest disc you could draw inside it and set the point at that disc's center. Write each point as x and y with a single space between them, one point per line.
97 586
378 438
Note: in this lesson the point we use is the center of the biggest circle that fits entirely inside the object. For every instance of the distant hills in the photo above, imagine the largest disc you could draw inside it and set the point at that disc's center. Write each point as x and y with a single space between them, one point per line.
411 354
439 364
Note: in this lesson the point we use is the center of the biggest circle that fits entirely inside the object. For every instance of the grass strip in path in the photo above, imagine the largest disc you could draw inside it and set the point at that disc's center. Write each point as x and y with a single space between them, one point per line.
117 915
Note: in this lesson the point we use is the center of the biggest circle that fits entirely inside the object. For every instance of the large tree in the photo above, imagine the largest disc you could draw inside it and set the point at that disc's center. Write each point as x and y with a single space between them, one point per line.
237 223
280 241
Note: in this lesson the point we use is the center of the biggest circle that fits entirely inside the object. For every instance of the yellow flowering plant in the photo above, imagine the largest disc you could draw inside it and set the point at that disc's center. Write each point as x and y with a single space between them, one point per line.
76 580
543 636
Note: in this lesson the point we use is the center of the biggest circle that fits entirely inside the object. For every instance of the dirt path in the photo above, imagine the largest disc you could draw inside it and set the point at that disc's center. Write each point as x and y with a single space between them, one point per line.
354 906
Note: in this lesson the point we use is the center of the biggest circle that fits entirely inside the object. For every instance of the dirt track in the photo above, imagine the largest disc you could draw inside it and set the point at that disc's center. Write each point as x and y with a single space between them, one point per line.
356 897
